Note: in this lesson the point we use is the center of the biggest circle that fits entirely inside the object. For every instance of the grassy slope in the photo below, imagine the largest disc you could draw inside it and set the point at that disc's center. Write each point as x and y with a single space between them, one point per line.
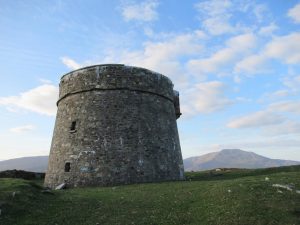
206 200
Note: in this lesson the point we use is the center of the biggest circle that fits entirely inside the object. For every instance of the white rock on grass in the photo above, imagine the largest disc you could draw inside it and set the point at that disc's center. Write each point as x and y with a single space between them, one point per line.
286 187
61 186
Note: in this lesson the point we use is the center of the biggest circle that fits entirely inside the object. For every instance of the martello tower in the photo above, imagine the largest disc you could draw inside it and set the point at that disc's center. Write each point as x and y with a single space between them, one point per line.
115 124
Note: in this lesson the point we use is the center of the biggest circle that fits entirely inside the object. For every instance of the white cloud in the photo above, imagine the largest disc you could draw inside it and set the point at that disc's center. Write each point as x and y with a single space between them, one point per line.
292 87
205 97
260 11
220 17
45 81
144 11
215 16
293 83
251 64
235 48
268 30
257 119
41 99
286 128
70 63
273 120
294 13
277 94
22 129
286 106
286 48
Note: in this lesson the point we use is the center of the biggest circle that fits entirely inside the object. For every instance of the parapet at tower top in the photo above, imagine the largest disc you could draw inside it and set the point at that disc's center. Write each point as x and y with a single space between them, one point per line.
103 66
117 77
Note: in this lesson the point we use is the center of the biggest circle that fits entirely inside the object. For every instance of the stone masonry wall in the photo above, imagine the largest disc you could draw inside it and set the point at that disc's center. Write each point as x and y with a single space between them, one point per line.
125 128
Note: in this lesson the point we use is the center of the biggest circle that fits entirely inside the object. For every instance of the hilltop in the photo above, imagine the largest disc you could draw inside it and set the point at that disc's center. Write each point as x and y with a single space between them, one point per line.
233 158
34 164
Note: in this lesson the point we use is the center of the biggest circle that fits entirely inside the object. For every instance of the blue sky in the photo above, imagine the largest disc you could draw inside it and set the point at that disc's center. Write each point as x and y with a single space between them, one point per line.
236 64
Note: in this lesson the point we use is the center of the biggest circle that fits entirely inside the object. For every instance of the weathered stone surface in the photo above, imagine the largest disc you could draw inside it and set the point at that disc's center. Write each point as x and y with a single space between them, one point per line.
115 124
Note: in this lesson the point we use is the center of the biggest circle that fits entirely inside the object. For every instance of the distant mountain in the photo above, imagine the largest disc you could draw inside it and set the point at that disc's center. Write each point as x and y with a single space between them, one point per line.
227 158
34 164
233 158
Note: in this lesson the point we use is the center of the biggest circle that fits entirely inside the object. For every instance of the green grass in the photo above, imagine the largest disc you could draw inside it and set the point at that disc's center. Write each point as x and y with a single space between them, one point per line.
203 200
232 173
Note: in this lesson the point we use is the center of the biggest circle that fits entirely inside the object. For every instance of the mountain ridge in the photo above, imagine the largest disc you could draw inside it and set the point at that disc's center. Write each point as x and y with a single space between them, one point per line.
233 158
33 164
226 158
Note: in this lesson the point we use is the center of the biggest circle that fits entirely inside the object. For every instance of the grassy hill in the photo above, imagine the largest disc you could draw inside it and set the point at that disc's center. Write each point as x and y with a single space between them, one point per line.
231 196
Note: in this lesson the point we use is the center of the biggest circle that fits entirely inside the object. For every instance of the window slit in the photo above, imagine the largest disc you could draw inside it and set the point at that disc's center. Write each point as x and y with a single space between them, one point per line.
67 167
73 126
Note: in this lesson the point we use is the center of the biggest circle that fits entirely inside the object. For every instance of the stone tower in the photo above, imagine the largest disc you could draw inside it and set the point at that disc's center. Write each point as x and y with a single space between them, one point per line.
115 124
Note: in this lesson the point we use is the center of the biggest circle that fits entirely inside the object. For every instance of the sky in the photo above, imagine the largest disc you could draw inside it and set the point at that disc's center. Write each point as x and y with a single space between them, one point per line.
236 64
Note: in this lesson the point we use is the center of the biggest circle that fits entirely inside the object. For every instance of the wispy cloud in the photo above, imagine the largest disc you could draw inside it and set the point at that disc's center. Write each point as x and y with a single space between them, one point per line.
236 47
294 13
219 17
22 129
286 106
144 11
260 10
45 81
268 30
251 64
286 128
257 119
205 97
70 63
273 120
291 87
215 16
292 83
41 100
284 48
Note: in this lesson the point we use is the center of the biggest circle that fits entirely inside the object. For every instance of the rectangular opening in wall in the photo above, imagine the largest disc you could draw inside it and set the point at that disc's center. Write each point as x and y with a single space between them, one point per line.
67 167
73 126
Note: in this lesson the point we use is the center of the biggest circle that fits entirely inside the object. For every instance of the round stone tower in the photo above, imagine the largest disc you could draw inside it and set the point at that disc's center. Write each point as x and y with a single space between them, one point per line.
115 124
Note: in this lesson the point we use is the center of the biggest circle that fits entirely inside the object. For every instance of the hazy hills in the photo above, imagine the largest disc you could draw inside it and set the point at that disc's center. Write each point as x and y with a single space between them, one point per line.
227 158
34 164
233 158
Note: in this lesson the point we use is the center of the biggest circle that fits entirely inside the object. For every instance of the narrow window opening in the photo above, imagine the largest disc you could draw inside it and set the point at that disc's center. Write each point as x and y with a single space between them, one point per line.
73 126
67 167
